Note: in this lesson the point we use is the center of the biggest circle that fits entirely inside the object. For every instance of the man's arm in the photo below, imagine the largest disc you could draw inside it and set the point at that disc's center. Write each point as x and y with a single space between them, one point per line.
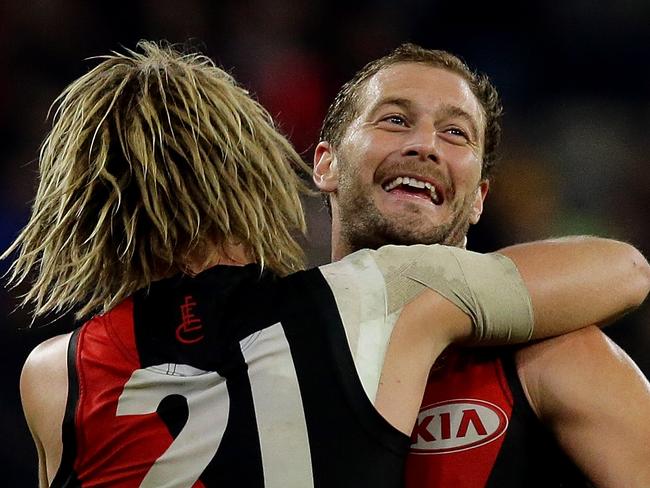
574 282
596 401
545 288
440 288
43 391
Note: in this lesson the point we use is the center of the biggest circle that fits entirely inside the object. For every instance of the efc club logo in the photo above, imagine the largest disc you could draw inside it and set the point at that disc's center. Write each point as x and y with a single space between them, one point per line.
190 329
457 425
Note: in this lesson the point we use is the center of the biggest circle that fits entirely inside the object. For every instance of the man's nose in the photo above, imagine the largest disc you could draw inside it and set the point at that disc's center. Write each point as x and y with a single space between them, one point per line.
423 145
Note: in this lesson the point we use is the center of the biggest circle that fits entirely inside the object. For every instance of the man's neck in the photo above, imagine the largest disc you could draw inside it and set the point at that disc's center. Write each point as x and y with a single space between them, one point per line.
340 248
226 254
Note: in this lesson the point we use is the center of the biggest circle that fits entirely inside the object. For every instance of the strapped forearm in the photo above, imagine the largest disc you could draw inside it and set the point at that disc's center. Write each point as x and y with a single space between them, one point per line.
488 288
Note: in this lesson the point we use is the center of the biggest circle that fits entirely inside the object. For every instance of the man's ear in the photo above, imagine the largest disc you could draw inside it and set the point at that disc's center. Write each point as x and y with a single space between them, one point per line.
326 171
477 206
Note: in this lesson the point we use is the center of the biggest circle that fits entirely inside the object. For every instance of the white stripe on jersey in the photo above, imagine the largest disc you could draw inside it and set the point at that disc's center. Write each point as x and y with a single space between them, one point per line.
281 423
360 292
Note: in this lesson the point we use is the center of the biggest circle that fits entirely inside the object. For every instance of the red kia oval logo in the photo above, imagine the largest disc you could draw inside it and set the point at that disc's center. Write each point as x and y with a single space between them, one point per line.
457 425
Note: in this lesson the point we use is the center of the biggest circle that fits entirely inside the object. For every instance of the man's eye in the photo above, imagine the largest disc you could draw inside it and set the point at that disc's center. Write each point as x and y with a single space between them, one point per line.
395 119
455 131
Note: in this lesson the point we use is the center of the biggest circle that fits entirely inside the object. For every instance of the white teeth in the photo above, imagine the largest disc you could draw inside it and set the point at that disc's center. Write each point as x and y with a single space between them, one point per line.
414 183
434 195
417 184
395 183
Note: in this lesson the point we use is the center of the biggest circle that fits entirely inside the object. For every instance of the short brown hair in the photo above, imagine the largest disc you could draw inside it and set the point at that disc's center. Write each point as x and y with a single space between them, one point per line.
152 156
346 103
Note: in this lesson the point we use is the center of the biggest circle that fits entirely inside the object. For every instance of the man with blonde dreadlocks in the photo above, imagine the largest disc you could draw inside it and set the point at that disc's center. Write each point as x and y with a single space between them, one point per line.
164 215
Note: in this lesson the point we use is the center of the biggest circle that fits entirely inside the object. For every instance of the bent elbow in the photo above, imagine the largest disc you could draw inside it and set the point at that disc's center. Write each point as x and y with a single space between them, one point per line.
639 280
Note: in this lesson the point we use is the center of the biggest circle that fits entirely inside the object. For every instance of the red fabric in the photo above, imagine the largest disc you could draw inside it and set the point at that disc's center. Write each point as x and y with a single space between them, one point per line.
115 451
461 426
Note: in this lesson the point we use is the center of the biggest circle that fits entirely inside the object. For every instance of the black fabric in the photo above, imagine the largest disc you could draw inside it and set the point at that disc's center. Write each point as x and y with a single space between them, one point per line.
173 411
340 417
221 296
230 304
238 462
530 456
65 476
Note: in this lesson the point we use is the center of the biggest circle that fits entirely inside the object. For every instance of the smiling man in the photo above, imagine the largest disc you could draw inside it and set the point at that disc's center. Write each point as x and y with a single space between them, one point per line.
405 157
392 197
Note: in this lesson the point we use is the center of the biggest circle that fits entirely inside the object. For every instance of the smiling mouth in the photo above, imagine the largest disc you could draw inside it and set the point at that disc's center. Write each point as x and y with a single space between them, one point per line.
418 188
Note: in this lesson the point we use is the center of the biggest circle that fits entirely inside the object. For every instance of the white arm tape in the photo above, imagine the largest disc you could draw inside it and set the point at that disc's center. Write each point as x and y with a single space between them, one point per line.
487 287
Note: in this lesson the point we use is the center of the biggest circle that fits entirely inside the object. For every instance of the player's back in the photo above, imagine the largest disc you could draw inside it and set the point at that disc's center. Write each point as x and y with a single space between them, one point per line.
232 378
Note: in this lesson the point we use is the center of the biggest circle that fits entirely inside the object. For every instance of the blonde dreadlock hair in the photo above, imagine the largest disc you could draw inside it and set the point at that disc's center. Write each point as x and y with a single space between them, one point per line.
152 156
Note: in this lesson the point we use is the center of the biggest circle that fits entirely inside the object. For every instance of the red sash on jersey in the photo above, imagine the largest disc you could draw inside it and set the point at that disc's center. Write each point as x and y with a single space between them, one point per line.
110 447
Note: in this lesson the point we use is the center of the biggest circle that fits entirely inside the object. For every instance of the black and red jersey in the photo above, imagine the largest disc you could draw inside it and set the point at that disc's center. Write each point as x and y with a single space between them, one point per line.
476 429
237 377
233 378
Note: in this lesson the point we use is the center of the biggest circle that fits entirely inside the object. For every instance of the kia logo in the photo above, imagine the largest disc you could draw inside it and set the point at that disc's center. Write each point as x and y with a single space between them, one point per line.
457 425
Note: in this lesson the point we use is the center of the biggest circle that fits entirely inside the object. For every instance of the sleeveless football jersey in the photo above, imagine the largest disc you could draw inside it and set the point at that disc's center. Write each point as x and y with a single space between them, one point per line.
178 387
237 377
476 429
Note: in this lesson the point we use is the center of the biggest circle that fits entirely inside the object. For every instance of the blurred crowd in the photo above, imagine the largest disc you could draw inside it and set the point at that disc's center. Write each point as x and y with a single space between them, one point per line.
573 76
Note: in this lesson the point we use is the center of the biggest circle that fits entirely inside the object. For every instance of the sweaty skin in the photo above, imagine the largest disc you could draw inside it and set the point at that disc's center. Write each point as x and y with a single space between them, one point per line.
405 130
595 400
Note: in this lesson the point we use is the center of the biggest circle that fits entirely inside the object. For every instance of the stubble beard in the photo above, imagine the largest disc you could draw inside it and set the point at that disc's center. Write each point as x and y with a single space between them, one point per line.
364 227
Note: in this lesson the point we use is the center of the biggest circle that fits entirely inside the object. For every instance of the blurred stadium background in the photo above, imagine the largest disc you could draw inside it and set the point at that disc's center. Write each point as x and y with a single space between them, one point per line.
574 77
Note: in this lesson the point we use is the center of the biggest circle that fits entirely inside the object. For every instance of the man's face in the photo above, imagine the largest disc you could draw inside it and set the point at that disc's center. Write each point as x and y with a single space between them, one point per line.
408 168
